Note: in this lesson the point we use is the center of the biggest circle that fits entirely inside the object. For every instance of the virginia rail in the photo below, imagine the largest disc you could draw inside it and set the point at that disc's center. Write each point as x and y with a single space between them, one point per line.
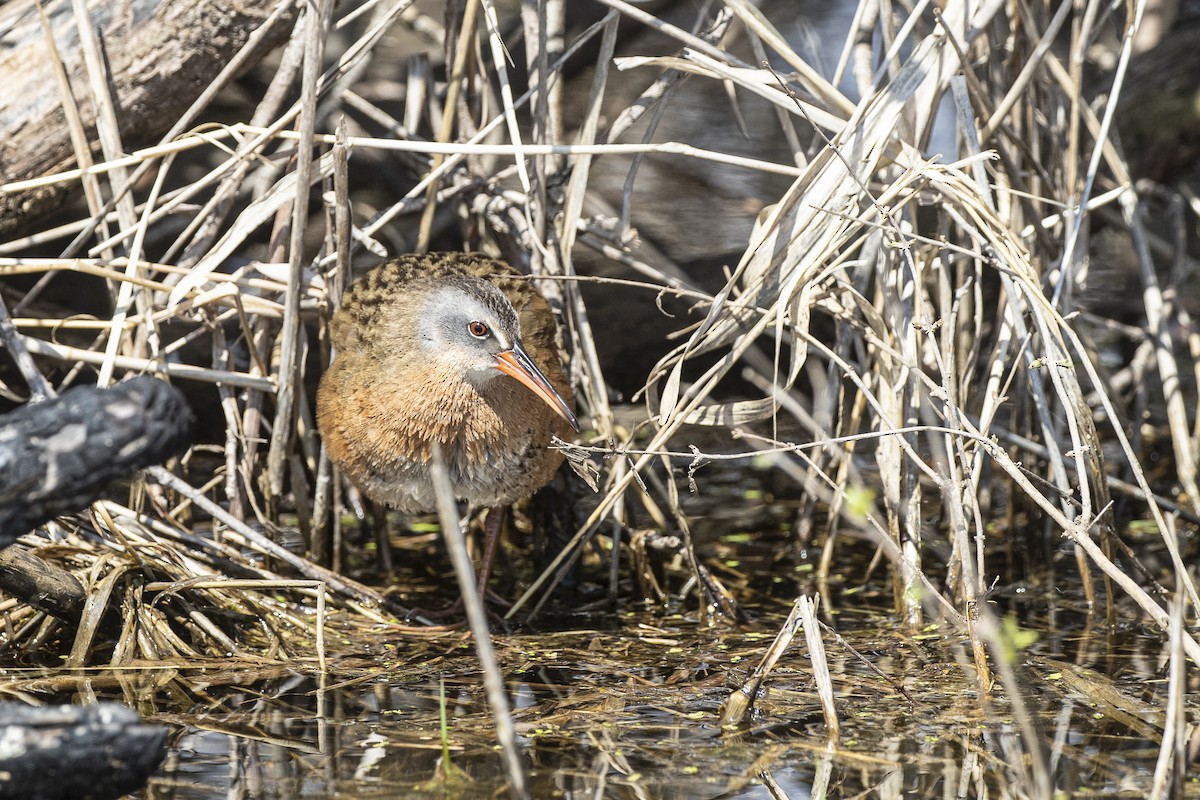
447 350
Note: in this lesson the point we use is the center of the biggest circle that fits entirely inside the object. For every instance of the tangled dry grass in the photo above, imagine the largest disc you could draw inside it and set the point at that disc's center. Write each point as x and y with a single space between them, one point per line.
932 314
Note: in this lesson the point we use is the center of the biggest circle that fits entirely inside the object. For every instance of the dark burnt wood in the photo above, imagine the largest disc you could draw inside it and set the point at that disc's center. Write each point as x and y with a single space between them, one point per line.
58 456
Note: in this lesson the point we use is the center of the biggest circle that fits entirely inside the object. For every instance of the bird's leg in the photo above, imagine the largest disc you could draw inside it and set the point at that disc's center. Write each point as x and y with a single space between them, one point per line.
383 542
493 526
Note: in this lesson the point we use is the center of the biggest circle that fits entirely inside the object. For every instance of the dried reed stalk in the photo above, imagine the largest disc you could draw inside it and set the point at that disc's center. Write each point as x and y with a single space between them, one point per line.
917 313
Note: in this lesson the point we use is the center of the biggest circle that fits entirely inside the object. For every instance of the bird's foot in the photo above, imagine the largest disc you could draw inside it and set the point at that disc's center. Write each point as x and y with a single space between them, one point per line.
494 606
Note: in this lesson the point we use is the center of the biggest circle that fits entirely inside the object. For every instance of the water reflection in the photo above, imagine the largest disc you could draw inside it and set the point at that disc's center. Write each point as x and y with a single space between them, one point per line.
620 714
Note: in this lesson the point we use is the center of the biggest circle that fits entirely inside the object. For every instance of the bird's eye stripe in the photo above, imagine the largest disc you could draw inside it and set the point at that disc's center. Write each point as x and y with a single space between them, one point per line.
477 329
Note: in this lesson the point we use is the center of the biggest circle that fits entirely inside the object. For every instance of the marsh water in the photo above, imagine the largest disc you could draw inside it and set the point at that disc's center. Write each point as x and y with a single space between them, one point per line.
623 700
634 713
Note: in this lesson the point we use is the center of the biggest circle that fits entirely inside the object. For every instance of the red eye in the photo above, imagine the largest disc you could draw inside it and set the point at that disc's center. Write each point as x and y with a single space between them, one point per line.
478 329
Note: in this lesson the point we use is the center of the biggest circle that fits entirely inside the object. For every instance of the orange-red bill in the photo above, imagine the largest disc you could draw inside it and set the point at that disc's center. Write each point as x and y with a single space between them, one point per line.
516 363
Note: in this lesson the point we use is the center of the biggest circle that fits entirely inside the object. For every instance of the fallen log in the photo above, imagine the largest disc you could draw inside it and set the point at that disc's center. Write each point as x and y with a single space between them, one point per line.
160 54
42 585
94 752
59 456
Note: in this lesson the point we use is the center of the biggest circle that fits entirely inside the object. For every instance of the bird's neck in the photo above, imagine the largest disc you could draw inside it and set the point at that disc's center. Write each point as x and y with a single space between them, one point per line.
456 414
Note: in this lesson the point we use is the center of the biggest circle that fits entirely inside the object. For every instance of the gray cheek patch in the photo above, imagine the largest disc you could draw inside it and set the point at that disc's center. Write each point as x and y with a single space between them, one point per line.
448 310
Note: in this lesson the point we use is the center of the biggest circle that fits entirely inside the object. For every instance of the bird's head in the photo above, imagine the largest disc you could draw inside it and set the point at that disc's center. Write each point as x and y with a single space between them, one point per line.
472 326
